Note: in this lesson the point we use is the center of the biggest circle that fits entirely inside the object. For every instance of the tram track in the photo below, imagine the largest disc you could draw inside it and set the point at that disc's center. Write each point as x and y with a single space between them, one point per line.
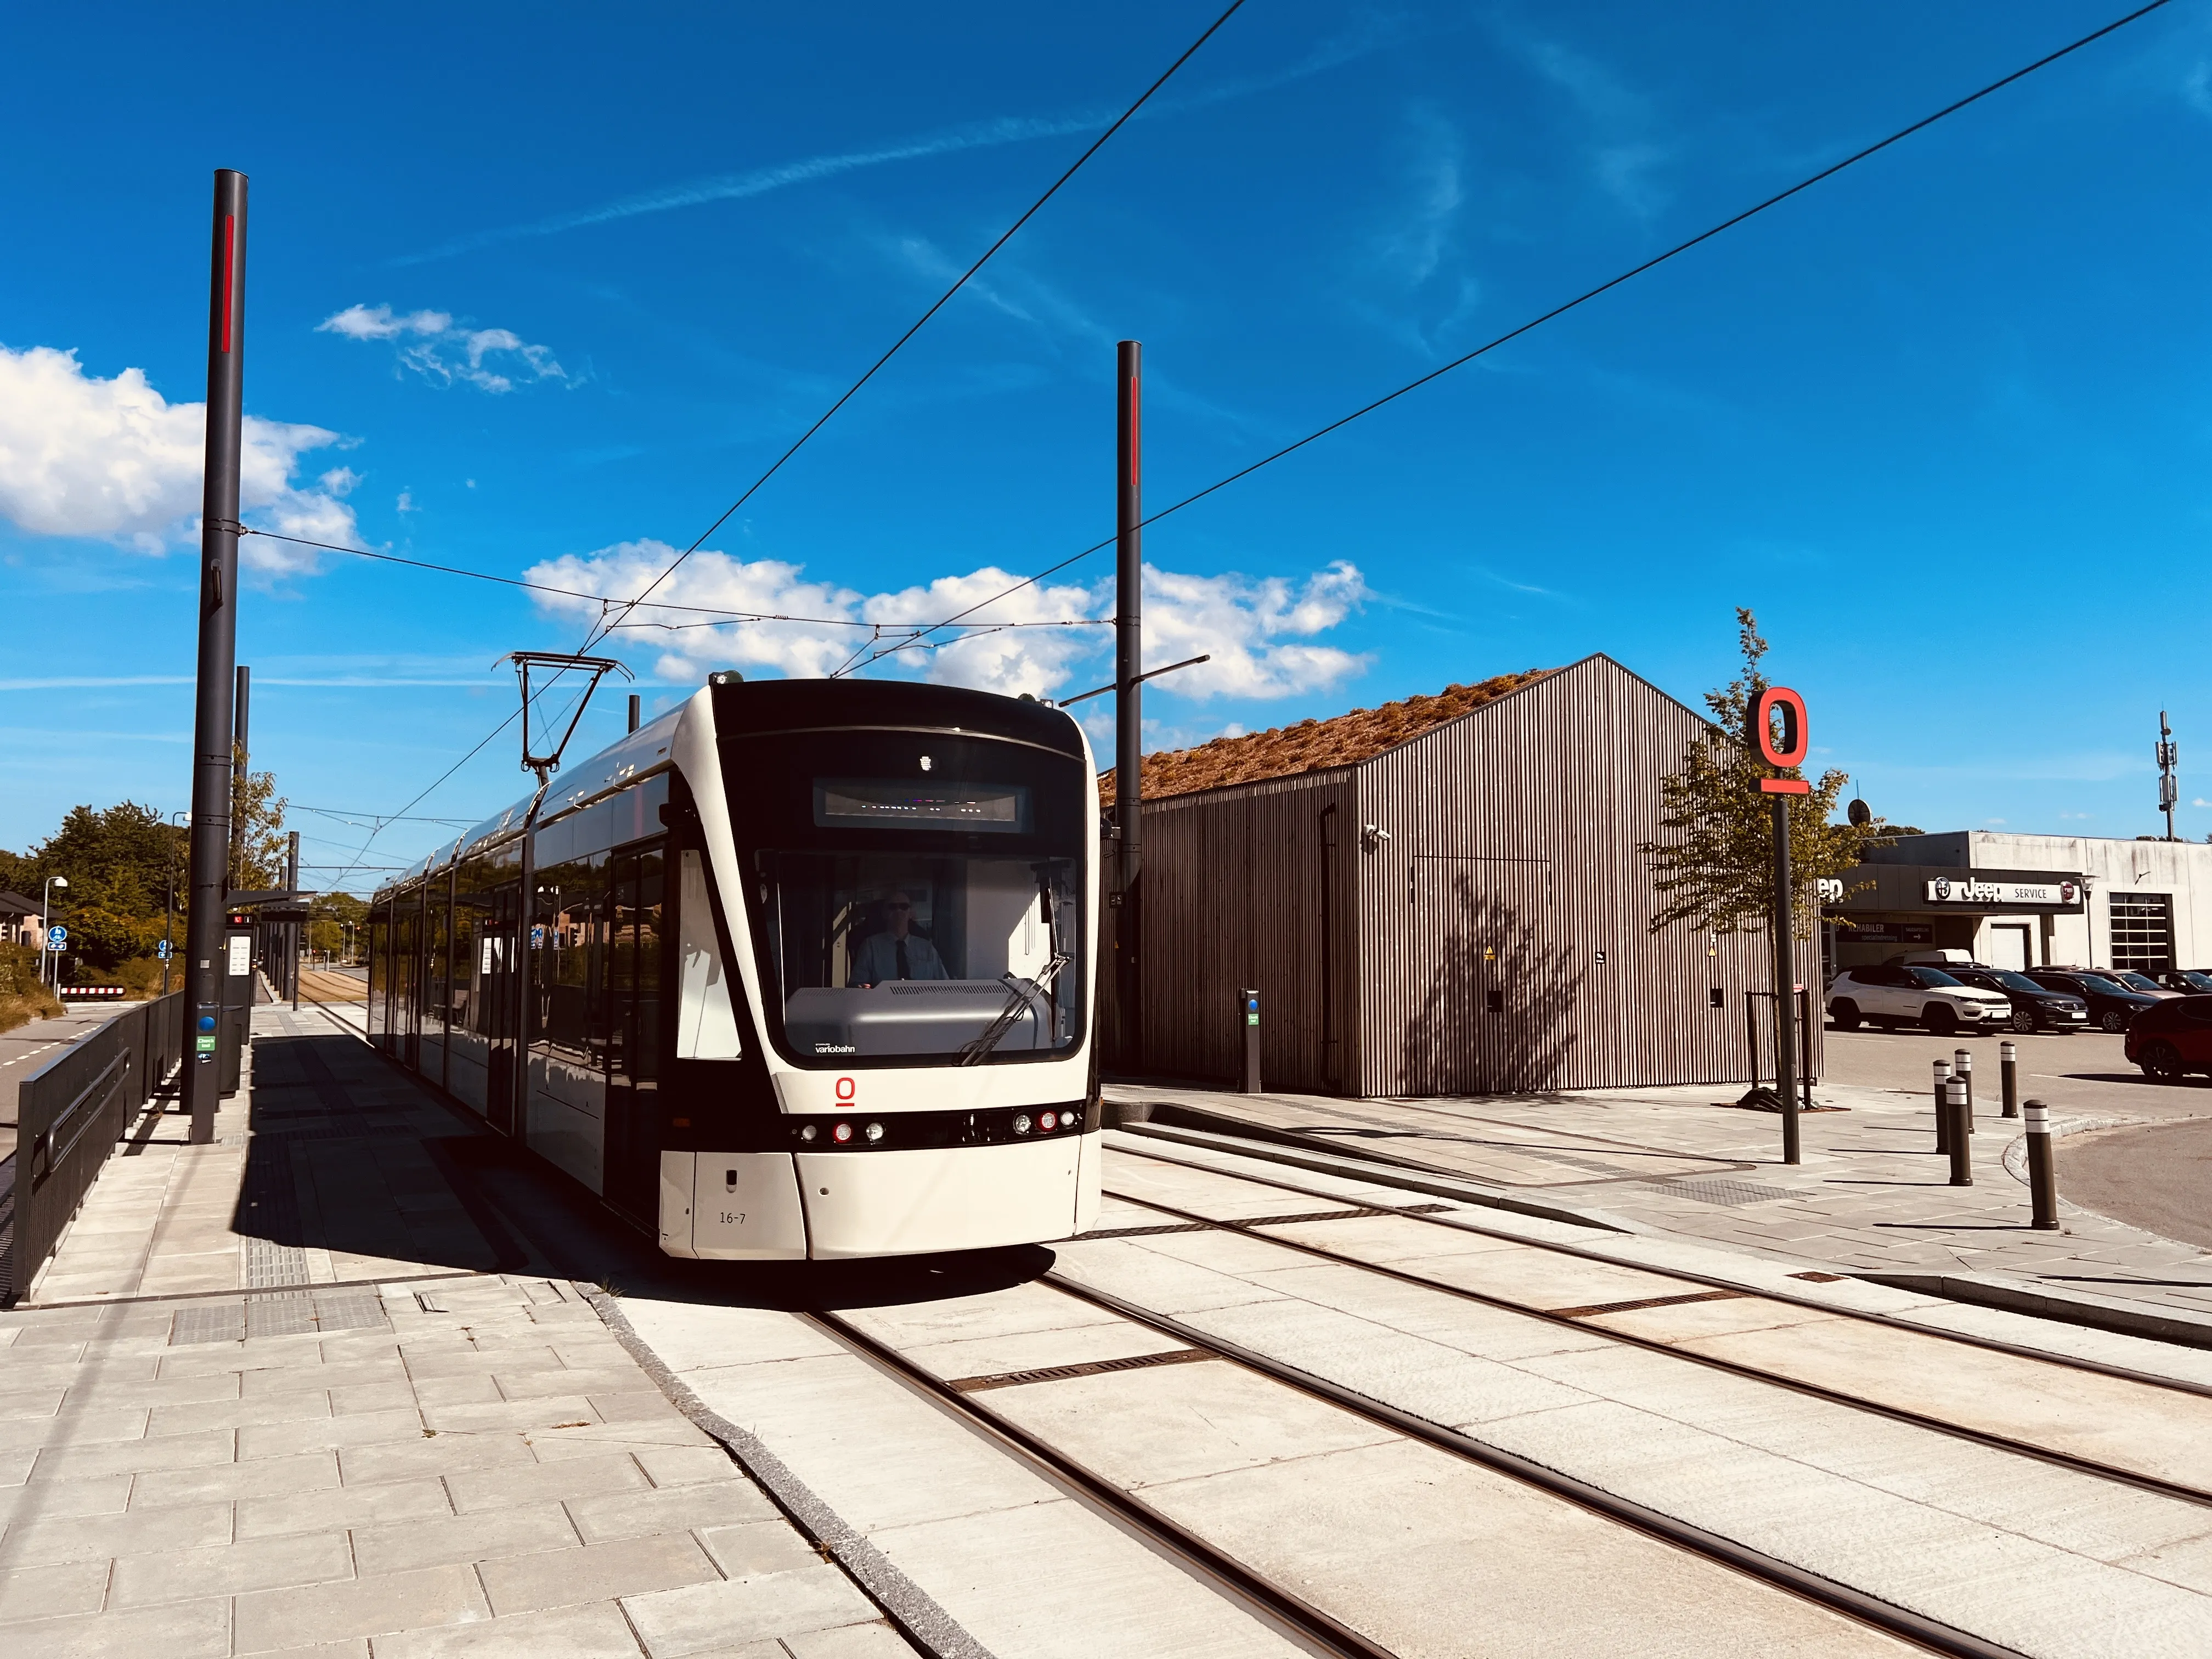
1578 1319
1460 1221
1285 1607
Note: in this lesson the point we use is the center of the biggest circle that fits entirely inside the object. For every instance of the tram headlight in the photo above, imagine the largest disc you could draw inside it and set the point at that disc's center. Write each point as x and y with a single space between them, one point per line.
806 1132
1021 1123
842 1134
1047 1120
874 1132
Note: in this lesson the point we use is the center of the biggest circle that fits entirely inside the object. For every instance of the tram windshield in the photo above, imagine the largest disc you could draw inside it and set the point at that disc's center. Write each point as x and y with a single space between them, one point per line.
905 954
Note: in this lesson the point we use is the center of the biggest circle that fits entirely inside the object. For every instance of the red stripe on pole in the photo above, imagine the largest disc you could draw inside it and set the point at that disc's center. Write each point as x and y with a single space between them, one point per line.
1784 786
230 293
1136 441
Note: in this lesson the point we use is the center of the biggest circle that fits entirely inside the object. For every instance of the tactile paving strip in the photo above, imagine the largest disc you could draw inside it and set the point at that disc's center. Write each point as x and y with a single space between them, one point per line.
1719 1189
279 1313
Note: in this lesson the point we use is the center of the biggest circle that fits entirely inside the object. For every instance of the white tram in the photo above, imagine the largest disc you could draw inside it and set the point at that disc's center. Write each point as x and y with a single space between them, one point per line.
806 972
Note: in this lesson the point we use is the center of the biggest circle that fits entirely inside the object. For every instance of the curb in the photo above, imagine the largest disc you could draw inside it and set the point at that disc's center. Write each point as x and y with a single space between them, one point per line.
2068 1307
905 1603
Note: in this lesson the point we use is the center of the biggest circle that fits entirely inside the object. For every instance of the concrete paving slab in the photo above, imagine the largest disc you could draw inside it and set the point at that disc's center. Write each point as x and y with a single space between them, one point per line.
437 1539
702 1617
185 1630
625 1567
181 1575
703 1507
1051 1583
595 1632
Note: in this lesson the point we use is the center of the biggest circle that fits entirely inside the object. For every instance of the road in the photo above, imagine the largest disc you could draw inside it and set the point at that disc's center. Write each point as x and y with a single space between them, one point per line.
28 1048
2154 1176
2084 1073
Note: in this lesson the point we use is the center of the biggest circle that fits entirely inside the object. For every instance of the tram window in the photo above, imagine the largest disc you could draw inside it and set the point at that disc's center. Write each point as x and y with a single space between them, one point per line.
706 1025
897 954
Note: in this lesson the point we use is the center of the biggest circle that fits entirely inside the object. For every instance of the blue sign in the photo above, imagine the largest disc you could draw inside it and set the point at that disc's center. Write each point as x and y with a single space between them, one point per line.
56 936
162 950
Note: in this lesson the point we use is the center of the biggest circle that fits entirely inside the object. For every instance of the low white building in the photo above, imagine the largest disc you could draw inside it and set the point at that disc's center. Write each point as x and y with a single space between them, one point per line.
2029 901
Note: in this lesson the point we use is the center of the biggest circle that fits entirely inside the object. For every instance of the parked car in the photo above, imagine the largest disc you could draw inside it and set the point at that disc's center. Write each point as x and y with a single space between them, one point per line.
2034 1008
2112 1004
2172 1039
2190 981
1894 993
2136 981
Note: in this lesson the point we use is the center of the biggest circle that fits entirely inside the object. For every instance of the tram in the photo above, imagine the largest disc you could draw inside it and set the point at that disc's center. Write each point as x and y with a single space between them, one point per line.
802 969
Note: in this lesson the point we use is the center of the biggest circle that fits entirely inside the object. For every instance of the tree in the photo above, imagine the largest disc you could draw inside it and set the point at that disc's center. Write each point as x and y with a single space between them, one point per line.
1715 868
257 829
330 915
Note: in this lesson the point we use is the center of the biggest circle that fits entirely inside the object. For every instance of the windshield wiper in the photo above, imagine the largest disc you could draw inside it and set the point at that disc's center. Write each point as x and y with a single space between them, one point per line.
1017 1004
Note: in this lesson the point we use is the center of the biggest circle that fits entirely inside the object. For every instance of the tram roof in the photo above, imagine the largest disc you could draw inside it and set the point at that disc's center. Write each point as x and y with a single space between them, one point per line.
768 704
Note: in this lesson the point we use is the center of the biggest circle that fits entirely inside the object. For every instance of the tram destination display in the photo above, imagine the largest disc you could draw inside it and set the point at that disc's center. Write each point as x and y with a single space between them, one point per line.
855 803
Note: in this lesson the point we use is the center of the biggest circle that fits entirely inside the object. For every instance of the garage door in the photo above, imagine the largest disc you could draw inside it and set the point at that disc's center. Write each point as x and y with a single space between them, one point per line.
2142 931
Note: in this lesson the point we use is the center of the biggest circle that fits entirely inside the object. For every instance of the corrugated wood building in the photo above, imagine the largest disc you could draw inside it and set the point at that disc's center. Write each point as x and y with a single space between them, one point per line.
1442 895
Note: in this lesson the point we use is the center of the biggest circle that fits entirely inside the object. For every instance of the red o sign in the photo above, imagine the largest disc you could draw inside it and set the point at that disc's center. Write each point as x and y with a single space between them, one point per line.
1795 743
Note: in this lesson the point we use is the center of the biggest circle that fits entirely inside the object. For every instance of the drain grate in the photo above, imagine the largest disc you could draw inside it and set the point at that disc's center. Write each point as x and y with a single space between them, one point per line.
1088 1368
1714 1189
277 1313
1588 1309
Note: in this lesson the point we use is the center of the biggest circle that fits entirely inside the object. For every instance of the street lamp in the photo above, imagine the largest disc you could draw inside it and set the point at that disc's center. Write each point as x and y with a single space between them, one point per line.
167 947
45 909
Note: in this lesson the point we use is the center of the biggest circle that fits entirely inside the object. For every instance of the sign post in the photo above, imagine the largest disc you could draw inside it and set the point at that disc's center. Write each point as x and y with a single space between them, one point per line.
1785 750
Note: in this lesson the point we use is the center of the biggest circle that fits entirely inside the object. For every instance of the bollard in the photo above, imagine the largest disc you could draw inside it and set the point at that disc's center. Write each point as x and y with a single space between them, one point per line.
2042 1178
1942 1115
2009 1055
1962 1149
1962 1065
1248 1028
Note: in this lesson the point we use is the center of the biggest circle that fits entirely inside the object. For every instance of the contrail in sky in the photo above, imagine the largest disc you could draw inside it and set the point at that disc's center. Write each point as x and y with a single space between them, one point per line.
1372 35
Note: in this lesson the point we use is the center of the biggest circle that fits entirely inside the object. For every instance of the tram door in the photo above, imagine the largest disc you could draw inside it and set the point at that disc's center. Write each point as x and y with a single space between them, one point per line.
636 919
498 958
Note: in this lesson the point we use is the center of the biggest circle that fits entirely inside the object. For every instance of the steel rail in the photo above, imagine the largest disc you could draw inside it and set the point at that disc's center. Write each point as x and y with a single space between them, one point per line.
1856 1604
1567 1321
1221 1573
1965 1338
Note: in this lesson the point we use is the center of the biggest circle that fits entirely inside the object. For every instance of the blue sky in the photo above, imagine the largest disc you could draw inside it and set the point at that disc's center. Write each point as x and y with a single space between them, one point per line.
542 288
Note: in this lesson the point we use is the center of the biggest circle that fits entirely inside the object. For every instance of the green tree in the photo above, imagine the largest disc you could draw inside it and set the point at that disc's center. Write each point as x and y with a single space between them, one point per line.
257 829
1715 866
330 916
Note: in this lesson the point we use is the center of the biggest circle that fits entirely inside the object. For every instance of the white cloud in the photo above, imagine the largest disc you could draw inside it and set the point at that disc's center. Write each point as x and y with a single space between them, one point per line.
116 461
432 346
1257 632
1041 638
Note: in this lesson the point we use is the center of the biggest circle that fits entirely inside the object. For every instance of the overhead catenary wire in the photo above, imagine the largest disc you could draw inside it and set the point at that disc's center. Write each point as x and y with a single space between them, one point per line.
603 626
941 301
1559 310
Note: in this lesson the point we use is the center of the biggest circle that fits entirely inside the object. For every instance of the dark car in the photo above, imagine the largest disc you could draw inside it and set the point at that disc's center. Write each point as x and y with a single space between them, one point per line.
2190 981
2112 1004
2034 1007
2130 979
2173 1039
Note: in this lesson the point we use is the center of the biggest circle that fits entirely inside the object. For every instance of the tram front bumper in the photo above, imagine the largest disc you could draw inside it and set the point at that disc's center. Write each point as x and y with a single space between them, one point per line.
958 1198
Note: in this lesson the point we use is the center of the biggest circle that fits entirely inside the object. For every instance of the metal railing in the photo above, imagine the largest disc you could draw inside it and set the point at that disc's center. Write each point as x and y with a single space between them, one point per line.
68 1115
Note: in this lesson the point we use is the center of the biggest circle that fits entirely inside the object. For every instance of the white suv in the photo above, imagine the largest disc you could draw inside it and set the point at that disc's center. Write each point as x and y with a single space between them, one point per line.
1897 993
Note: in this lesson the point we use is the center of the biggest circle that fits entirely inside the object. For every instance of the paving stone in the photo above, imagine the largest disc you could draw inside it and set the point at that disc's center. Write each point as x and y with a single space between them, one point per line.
258 1411
447 1539
757 1548
52 1592
74 1428
375 1505
263 1477
595 1632
261 1564
429 1454
876 1640
527 1483
395 1425
702 1617
49 1541
372 1606
183 1630
107 1495
630 1566
707 1503
681 1466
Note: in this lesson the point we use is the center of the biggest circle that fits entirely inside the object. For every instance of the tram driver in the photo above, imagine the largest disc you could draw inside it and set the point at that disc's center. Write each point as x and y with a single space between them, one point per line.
897 952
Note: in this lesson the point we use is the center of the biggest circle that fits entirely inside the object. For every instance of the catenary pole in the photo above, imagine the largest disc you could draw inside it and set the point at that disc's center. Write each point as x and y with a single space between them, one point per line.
1129 696
218 650
292 928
